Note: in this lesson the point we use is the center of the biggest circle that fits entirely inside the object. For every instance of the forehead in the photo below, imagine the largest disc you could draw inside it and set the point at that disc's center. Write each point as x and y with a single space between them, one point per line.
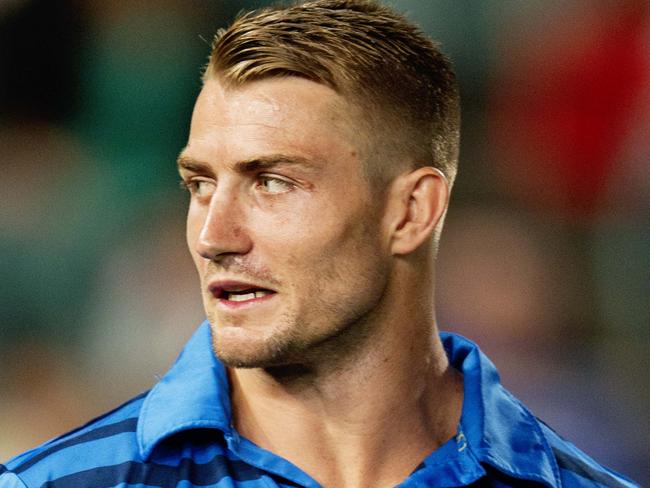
277 115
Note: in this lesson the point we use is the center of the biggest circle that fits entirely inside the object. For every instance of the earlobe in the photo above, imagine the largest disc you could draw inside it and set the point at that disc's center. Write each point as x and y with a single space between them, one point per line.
421 198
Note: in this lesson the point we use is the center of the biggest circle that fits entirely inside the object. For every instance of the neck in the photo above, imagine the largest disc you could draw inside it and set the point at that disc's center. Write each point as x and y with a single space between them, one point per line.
367 420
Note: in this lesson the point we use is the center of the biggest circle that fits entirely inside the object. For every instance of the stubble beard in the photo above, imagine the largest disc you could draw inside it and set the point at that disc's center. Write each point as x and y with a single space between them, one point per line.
330 331
293 341
266 349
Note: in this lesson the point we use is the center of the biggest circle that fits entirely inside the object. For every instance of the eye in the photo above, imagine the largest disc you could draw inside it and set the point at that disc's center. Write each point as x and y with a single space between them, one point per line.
273 184
199 187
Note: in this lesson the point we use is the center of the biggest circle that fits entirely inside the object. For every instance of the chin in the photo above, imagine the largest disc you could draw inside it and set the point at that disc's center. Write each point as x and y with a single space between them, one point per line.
238 358
240 348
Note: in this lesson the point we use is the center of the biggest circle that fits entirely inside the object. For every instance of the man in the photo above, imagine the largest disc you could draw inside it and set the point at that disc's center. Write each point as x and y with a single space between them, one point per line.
320 159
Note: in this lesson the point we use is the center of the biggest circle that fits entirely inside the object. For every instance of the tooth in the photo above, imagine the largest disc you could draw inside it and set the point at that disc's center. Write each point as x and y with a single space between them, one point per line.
241 298
260 294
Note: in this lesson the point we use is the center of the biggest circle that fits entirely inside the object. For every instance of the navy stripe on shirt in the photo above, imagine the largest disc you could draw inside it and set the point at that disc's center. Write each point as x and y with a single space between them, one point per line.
128 425
577 466
159 475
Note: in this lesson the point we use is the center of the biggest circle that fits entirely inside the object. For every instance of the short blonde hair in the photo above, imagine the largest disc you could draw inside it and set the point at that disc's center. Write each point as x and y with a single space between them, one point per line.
404 87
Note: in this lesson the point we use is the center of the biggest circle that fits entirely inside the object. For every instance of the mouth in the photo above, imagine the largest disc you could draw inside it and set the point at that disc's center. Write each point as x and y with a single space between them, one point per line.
234 293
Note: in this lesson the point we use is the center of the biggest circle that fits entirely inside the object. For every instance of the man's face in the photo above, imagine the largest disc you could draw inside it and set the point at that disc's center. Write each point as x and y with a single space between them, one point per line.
283 228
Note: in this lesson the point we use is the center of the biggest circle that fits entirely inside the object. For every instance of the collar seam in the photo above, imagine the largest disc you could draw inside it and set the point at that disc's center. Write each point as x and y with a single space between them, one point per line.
485 451
542 440
183 398
145 451
147 448
547 450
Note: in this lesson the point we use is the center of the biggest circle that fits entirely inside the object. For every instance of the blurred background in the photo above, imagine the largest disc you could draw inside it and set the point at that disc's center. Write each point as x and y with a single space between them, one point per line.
544 261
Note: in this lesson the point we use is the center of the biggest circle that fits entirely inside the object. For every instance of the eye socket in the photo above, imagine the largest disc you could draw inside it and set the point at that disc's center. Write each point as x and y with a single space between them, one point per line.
273 184
199 187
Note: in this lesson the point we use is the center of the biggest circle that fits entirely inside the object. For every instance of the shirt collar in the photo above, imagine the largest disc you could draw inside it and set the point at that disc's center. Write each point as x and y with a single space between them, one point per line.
193 394
499 430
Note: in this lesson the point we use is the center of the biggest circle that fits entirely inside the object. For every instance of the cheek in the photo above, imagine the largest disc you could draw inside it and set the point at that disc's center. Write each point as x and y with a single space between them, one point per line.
355 253
324 244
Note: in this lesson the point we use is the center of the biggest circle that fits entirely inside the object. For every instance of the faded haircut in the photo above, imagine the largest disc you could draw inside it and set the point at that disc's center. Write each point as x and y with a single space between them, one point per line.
403 89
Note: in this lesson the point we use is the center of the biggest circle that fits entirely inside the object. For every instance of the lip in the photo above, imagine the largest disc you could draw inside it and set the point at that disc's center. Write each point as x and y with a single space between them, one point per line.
217 288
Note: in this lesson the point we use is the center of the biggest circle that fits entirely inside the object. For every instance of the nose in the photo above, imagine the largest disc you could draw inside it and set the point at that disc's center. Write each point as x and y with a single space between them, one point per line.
223 231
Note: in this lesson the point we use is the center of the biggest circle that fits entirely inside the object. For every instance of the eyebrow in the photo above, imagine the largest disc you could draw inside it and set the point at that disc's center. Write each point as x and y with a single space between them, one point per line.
190 164
248 165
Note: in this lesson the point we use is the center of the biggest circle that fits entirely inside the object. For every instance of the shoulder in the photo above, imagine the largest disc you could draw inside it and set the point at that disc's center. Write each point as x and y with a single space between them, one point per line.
104 441
579 470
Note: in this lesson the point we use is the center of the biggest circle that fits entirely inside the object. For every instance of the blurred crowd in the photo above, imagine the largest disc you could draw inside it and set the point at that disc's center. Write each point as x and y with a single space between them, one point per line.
544 260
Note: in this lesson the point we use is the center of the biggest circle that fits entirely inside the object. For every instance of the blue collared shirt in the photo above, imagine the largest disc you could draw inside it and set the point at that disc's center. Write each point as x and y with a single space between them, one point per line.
180 434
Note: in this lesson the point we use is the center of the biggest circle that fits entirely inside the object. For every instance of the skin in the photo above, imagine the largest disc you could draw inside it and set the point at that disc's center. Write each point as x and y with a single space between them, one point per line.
341 370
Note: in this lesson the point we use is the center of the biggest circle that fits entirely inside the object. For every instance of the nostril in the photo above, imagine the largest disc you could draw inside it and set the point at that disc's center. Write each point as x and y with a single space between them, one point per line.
205 250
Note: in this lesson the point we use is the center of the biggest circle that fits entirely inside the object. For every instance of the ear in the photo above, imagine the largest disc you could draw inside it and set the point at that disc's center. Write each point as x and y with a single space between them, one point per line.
418 201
